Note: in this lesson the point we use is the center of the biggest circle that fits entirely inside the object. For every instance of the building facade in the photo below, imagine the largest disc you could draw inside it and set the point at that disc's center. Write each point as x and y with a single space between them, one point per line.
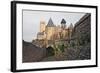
50 33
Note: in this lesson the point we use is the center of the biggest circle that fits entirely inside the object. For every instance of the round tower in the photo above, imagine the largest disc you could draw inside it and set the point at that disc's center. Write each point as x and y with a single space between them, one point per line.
42 26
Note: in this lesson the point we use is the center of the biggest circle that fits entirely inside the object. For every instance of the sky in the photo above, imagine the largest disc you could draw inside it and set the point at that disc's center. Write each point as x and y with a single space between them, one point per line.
31 21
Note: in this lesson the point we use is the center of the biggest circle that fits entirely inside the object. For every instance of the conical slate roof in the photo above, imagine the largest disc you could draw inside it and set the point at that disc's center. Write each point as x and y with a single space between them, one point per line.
63 21
71 26
50 23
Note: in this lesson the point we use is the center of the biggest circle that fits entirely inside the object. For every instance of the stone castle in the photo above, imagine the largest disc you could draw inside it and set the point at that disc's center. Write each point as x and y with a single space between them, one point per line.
52 32
77 39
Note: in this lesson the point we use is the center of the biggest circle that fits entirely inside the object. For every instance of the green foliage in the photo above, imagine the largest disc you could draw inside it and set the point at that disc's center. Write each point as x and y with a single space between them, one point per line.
84 39
58 48
72 44
61 47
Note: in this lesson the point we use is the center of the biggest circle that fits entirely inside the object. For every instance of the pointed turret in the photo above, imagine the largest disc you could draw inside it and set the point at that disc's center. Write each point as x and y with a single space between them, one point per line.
63 23
50 23
71 26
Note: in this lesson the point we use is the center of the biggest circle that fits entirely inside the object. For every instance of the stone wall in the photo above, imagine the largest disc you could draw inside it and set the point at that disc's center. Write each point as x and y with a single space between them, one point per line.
82 30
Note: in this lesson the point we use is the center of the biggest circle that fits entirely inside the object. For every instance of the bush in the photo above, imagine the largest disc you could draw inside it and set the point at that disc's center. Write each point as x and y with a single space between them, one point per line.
61 47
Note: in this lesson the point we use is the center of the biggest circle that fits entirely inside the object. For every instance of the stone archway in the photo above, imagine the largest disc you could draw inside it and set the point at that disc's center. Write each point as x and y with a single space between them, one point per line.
50 51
